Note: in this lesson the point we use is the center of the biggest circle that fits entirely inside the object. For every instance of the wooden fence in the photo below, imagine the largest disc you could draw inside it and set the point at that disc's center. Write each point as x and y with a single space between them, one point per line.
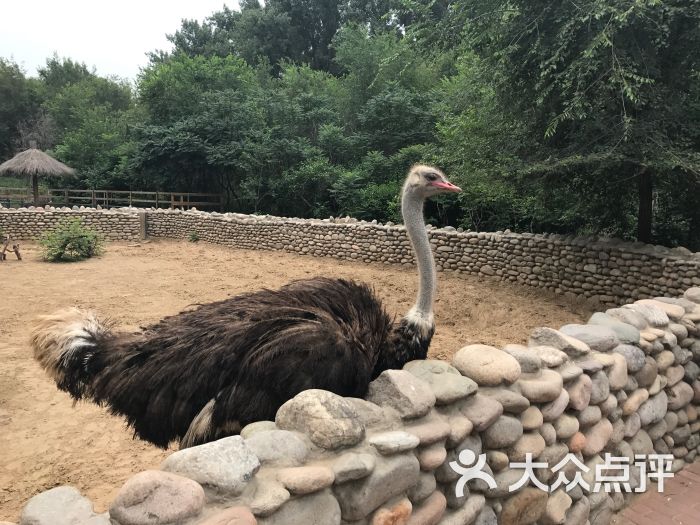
15 196
114 198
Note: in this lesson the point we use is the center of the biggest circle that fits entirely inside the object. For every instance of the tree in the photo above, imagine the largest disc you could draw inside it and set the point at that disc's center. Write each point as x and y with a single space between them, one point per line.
397 118
373 63
314 23
18 102
173 89
61 72
98 147
36 131
480 146
606 87
68 105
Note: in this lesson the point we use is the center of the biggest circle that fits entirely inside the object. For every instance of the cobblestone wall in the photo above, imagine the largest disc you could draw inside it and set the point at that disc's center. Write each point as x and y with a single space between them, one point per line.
605 270
29 224
626 383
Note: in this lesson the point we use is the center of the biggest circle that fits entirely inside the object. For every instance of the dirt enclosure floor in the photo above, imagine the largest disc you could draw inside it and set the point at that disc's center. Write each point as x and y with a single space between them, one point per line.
45 441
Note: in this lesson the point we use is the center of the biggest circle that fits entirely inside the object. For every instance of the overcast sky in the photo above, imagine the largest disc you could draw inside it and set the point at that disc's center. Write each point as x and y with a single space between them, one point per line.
112 36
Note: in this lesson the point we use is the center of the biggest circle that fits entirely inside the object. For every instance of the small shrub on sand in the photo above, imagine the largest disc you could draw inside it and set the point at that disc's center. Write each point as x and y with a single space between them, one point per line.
193 237
71 241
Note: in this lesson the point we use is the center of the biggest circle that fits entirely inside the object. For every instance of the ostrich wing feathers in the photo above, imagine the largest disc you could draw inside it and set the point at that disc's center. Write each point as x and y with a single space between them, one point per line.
249 354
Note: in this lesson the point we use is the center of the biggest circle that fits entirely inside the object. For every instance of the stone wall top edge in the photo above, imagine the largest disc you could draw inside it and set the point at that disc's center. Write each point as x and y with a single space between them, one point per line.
593 242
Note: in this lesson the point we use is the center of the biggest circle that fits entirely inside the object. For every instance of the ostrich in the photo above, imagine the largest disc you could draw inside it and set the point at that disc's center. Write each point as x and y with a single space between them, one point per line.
204 374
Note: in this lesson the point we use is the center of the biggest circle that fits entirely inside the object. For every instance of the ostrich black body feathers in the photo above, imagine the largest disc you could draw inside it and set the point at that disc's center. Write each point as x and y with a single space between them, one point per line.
203 374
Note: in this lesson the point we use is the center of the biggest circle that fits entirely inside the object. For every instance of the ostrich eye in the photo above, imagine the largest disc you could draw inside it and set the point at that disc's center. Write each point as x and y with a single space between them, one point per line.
431 177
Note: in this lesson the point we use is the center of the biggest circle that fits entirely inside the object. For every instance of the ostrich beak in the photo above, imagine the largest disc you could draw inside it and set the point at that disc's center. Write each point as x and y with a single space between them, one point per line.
446 186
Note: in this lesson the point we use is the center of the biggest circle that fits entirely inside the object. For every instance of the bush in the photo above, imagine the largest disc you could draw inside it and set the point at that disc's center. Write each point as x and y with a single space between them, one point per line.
71 241
193 237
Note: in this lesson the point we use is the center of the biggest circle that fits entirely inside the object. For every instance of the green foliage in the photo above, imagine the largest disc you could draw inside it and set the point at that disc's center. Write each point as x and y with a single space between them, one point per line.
396 118
193 237
70 241
61 72
374 64
605 90
173 89
69 105
311 183
551 116
14 182
17 101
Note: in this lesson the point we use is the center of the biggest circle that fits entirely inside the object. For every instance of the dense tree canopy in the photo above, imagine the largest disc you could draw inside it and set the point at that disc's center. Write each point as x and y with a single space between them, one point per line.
553 116
609 90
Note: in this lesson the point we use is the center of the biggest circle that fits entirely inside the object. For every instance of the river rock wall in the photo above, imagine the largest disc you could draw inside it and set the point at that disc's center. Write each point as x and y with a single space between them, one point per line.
626 383
113 225
607 271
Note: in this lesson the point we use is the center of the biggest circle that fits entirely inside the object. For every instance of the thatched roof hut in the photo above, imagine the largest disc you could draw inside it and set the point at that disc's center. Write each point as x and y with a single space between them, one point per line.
34 163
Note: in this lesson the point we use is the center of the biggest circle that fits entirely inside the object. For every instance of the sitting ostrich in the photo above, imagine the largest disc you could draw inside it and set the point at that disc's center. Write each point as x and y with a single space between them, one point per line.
204 374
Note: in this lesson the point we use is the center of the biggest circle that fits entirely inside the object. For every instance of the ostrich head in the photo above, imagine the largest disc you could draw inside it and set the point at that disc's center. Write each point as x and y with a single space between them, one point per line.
424 181
412 335
421 183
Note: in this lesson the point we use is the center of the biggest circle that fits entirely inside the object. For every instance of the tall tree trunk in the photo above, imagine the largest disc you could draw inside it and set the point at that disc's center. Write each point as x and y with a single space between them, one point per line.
35 189
645 185
694 231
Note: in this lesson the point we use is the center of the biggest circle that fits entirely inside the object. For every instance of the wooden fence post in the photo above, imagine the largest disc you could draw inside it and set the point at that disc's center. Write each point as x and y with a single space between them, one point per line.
4 248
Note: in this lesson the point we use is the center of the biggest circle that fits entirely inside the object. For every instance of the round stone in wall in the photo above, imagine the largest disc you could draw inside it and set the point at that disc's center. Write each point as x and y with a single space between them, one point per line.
529 361
447 383
157 498
554 338
598 337
328 420
505 431
409 396
388 443
525 508
257 426
486 365
281 447
626 333
226 465
693 294
352 466
61 506
306 479
541 388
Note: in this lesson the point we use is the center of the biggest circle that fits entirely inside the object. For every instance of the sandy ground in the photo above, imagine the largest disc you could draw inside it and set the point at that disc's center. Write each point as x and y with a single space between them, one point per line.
46 441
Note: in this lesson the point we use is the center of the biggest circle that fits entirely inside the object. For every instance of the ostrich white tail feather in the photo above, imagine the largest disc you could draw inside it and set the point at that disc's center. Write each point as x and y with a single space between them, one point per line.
200 428
56 337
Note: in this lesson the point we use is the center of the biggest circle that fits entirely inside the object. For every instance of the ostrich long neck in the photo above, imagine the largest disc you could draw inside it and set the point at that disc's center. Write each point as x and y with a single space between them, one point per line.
412 211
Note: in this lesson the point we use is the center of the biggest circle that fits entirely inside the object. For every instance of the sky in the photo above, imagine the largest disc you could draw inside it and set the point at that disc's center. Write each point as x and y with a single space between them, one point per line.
114 37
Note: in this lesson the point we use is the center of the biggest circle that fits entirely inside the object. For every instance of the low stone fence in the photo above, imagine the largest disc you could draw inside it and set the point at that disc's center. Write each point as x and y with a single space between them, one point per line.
607 271
513 436
113 225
